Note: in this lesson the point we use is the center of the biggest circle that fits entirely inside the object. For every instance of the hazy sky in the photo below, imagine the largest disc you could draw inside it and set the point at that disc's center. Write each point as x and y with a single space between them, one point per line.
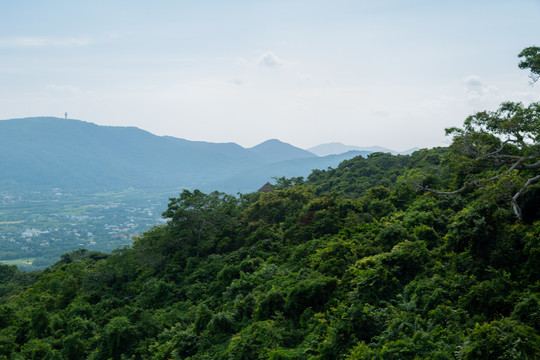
390 73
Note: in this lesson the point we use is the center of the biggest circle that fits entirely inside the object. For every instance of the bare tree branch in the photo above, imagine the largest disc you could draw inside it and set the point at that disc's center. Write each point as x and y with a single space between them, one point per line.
536 165
518 165
474 183
515 205
499 149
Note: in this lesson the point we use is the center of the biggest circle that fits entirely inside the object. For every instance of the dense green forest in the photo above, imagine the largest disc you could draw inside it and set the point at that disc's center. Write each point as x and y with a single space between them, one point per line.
430 256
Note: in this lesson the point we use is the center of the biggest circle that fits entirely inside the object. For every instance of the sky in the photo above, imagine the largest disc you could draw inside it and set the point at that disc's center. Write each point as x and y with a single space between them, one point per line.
388 73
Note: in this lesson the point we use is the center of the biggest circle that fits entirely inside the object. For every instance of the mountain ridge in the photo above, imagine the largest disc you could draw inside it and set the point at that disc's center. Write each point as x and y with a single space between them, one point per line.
274 150
68 153
334 148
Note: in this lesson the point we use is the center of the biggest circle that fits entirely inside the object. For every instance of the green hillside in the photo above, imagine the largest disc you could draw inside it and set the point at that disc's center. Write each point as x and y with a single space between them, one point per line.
429 256
337 267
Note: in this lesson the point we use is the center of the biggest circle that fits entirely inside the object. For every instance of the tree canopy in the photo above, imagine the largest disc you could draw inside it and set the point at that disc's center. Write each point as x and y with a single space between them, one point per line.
531 61
499 149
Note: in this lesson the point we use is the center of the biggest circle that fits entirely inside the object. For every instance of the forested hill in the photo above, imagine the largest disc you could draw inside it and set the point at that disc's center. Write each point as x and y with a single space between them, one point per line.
357 262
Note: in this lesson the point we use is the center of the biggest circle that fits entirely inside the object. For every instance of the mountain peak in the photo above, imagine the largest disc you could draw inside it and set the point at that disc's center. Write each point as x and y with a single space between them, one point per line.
274 150
272 141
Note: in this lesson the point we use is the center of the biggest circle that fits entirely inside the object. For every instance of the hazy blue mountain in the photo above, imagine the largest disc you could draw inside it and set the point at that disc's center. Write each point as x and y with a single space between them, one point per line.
339 148
274 151
289 168
72 153
50 152
409 151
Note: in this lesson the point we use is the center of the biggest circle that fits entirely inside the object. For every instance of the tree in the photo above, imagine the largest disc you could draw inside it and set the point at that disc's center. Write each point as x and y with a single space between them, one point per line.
500 339
198 218
531 61
118 337
501 146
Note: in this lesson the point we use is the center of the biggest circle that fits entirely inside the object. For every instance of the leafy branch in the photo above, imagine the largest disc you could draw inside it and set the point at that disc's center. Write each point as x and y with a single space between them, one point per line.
505 143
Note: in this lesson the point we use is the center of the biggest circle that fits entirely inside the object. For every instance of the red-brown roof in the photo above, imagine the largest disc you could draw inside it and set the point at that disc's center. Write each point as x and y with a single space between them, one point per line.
267 187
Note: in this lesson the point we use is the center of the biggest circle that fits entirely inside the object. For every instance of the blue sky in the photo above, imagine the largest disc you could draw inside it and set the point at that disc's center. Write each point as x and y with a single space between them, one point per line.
389 73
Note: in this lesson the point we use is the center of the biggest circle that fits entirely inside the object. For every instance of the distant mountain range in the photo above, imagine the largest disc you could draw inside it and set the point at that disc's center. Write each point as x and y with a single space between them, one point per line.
339 148
45 152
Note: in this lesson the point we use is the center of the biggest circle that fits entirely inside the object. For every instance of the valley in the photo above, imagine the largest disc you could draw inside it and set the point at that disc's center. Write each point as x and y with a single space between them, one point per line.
42 225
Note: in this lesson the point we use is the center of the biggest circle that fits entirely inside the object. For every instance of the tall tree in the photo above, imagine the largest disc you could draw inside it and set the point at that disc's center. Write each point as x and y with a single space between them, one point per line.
501 146
197 218
504 144
531 61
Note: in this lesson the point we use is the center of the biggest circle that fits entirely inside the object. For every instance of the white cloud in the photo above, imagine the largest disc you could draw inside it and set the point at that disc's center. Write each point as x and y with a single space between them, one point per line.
36 42
480 95
237 81
242 61
473 85
66 89
269 59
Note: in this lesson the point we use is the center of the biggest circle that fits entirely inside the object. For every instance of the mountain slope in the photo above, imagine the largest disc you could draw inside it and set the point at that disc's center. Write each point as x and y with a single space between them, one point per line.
72 154
311 271
289 168
274 151
58 152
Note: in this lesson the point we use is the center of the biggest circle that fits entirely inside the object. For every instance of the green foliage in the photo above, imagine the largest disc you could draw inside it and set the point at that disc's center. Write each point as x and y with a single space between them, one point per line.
531 61
502 339
196 220
499 152
119 336
296 273
312 293
528 311
37 349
